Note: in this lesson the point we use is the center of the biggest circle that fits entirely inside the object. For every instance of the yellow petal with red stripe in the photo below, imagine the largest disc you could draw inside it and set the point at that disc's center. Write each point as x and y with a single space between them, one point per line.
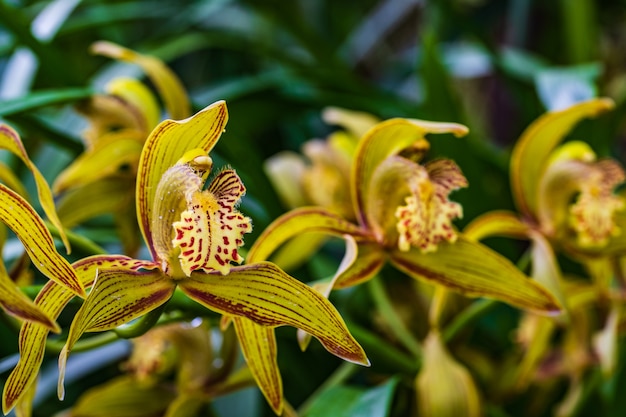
383 140
117 297
258 345
265 294
52 299
23 220
167 143
10 140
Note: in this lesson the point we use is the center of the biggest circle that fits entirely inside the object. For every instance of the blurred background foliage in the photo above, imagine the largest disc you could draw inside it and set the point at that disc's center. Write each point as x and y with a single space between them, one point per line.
490 64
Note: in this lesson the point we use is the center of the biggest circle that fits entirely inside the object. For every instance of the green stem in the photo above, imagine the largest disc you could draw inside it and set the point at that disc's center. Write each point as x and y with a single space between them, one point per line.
342 373
473 312
141 325
385 307
55 346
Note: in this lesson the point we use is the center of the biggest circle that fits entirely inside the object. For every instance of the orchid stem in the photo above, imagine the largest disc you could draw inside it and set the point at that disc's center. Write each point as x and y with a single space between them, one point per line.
384 306
342 373
141 325
55 346
471 313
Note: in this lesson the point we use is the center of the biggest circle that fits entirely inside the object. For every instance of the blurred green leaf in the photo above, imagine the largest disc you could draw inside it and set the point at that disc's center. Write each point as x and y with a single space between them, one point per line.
560 88
346 401
40 99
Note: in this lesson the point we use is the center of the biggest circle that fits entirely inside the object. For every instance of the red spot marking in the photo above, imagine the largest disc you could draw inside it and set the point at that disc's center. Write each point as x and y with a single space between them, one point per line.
188 252
220 260
235 254
225 238
198 258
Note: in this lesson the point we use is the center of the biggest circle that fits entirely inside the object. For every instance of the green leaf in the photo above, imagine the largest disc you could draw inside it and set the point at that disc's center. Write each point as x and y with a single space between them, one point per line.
43 98
559 88
345 401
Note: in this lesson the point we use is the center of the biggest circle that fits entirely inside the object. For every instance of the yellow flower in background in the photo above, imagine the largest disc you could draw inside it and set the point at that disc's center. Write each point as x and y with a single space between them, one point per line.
102 179
172 368
193 235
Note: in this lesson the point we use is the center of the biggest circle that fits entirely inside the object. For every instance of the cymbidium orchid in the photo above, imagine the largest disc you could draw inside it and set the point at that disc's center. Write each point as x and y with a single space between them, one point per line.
102 179
193 235
403 216
567 203
17 214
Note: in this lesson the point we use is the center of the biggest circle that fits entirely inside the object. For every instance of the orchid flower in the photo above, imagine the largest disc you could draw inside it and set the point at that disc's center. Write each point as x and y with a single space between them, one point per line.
567 203
193 235
403 216
17 214
102 179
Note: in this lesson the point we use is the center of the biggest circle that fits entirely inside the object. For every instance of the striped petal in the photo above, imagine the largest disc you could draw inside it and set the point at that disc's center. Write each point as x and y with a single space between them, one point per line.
168 84
496 223
52 299
167 143
475 270
532 150
265 294
10 140
297 222
18 305
117 297
384 140
258 345
23 220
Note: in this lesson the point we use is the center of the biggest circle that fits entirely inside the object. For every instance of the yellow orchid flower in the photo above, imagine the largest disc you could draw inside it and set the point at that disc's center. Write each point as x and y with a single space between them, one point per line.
193 235
403 217
567 202
102 179
19 216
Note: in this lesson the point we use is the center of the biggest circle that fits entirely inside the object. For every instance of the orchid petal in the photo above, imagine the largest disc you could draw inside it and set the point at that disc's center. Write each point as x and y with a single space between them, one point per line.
263 293
258 345
8 178
370 259
535 333
109 155
108 114
285 171
10 140
52 299
136 93
473 269
18 305
496 223
295 223
545 268
168 84
532 151
298 250
23 220
384 140
355 122
117 297
167 143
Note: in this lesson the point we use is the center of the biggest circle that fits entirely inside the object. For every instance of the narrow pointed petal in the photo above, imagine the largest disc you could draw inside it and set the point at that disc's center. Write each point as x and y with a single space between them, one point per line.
298 250
168 84
52 299
167 143
496 223
285 171
258 345
23 220
355 122
117 297
475 270
295 223
18 305
139 95
545 268
107 114
386 139
10 140
532 151
8 178
370 259
111 154
265 294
